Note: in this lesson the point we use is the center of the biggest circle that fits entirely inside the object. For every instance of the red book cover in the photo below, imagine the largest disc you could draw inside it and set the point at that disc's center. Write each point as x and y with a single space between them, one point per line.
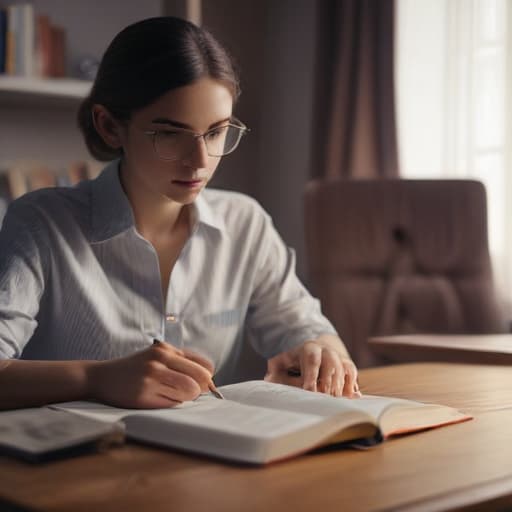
43 46
41 177
77 172
58 51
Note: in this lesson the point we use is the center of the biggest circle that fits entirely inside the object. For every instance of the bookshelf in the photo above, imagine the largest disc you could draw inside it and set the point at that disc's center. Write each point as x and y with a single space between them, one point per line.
38 115
61 88
42 91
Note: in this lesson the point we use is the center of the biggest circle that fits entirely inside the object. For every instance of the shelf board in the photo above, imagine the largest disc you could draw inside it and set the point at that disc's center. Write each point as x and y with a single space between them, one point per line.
42 91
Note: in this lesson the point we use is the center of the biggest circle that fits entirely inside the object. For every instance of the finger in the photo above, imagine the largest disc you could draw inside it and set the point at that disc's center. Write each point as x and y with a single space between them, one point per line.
163 345
190 368
339 381
165 401
338 378
350 388
177 386
328 366
160 401
199 359
310 360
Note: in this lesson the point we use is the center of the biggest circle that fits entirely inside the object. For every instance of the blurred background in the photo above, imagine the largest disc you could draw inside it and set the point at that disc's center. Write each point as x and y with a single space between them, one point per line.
332 89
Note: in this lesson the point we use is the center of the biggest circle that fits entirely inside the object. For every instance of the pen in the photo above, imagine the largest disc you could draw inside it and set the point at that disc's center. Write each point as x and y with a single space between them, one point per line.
214 391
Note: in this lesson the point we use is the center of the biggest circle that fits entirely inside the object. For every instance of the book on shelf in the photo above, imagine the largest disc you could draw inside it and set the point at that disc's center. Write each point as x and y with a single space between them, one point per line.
20 40
17 182
43 434
3 39
34 46
77 172
10 40
26 175
260 422
41 177
58 52
43 49
4 195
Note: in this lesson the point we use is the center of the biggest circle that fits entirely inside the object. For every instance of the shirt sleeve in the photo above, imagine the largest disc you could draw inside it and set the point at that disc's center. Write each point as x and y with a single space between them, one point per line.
21 283
282 313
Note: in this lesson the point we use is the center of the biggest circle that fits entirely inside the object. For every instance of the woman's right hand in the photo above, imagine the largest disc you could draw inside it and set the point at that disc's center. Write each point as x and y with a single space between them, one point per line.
157 377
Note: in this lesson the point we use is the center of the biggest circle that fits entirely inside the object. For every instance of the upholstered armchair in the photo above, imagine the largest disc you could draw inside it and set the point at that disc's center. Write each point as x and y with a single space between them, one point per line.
400 256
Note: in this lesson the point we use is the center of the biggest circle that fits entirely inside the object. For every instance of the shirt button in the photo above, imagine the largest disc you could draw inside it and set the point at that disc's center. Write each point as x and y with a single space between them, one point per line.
171 318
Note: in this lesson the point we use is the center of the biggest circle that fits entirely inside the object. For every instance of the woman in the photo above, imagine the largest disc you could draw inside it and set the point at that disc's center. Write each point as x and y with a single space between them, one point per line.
135 288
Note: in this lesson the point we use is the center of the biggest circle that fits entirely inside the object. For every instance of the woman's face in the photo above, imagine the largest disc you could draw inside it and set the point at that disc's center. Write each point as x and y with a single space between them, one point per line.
199 107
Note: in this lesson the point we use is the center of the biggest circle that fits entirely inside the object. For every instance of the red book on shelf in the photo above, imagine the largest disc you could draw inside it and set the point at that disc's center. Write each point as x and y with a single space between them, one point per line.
10 41
41 177
58 51
43 46
77 172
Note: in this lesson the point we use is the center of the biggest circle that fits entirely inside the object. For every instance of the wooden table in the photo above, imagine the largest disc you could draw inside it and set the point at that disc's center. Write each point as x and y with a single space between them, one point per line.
465 466
470 348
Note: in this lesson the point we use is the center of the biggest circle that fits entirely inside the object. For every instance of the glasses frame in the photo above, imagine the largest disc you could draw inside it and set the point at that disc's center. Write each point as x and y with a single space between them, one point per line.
235 123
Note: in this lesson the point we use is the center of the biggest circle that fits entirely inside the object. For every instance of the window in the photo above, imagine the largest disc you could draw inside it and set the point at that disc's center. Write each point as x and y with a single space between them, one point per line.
452 82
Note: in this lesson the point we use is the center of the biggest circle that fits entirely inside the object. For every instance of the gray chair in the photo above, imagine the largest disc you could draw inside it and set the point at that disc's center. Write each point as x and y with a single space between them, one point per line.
400 256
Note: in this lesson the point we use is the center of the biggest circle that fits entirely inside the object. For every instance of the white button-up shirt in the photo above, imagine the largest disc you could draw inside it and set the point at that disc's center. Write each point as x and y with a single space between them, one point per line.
77 280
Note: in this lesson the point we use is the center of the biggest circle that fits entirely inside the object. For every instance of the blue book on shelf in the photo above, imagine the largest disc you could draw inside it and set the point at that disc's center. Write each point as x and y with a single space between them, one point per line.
3 39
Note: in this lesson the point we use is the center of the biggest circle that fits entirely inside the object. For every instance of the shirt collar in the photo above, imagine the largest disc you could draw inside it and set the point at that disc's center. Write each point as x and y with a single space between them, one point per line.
203 213
112 213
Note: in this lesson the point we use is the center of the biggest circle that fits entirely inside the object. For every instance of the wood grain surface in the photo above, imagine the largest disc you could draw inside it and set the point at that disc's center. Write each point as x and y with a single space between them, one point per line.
465 467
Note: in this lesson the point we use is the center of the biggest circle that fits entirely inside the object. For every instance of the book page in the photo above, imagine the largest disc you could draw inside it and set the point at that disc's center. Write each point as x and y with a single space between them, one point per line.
234 417
209 411
394 416
96 410
279 396
236 431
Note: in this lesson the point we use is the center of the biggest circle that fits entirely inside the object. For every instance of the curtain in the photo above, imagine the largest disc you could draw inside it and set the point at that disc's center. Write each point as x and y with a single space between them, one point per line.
355 110
455 55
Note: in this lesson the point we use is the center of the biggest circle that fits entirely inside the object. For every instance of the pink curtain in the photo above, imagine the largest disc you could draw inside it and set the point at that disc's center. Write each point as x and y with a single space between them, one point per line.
355 107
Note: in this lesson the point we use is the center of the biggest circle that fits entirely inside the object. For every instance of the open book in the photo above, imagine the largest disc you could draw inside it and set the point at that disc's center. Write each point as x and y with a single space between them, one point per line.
259 422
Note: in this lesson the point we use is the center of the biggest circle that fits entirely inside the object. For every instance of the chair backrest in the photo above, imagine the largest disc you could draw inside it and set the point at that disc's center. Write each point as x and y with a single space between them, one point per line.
400 256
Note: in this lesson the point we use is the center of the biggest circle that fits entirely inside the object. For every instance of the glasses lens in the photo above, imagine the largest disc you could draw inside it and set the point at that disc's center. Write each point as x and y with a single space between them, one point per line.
172 145
223 140
176 144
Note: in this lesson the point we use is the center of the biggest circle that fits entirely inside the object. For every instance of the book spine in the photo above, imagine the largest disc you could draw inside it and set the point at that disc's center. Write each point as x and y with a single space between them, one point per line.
17 183
28 40
43 46
3 39
30 45
10 44
19 46
58 51
76 172
40 177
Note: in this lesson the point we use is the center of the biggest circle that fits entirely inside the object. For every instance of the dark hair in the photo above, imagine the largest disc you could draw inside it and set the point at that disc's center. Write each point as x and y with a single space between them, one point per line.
143 62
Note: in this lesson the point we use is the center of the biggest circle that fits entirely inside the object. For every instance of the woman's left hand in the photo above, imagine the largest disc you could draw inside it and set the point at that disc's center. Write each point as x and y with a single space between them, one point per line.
320 365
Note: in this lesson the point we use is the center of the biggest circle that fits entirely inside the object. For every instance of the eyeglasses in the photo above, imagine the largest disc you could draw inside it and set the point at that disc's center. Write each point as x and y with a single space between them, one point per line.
178 143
